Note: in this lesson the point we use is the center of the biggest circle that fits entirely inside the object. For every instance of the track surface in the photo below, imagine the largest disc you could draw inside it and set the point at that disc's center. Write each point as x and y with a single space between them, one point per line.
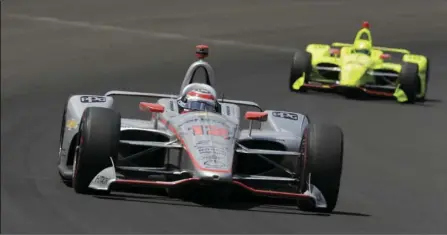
395 175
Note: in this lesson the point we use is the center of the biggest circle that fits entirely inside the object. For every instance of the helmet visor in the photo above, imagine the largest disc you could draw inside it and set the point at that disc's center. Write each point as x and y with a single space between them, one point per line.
199 106
363 51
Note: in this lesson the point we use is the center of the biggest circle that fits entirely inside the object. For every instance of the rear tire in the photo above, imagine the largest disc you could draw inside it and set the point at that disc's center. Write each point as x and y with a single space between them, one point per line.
323 160
427 72
410 82
427 79
98 141
301 63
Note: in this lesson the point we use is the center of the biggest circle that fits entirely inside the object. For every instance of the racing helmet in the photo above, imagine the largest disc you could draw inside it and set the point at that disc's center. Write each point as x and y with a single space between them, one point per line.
200 98
363 47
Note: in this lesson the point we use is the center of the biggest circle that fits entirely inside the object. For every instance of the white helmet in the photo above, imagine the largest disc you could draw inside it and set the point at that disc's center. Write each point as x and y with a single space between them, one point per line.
198 97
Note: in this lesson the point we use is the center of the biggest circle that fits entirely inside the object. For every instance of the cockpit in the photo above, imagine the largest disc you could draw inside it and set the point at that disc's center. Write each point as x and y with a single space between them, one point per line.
363 51
198 96
363 40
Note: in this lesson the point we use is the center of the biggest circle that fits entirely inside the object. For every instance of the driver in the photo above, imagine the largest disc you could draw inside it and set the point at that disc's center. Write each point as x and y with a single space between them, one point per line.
362 47
199 99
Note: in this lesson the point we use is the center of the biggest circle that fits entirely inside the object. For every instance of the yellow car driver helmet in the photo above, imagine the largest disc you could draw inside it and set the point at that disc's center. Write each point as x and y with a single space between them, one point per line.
362 46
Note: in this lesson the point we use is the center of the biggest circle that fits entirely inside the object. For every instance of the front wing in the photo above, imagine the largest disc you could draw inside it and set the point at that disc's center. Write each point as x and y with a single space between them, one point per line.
370 89
384 91
107 177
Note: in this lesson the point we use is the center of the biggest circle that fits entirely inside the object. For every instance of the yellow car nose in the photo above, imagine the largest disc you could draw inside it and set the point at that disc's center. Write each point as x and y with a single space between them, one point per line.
351 75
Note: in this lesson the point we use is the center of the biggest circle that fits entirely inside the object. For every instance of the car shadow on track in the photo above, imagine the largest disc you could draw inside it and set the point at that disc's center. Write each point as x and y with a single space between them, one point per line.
241 203
428 102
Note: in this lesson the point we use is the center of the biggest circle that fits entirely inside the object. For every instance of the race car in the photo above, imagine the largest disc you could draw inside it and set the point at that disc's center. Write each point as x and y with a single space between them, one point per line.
193 142
361 68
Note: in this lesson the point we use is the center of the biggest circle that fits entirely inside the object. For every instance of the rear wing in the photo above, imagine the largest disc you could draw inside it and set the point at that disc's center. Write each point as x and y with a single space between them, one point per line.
385 49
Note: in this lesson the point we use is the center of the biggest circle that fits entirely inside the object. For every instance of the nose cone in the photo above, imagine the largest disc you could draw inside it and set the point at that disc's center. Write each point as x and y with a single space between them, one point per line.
210 141
351 75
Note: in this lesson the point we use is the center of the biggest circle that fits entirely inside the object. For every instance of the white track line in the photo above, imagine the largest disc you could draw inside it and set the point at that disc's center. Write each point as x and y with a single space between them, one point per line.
151 34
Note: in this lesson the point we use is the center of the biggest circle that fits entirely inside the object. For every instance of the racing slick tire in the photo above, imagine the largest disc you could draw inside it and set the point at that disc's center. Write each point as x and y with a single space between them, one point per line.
322 164
410 82
67 181
427 79
427 72
97 142
301 63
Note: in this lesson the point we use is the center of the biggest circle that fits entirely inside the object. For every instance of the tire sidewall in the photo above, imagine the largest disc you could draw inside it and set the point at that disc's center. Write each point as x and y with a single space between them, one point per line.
410 82
301 63
324 168
97 142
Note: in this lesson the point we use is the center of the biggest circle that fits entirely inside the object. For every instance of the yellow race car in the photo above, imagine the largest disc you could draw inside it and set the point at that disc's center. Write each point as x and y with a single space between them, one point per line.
360 67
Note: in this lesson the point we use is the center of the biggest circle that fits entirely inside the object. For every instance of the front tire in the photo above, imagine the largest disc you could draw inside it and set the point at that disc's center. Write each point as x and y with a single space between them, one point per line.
427 79
98 141
410 82
65 180
323 161
301 63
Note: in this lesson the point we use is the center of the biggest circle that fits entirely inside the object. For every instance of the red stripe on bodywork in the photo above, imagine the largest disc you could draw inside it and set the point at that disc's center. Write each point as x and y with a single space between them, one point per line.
379 93
320 86
273 193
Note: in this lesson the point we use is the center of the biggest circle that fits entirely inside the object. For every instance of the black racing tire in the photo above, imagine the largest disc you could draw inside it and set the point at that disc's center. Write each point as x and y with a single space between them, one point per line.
63 124
323 161
66 181
428 71
410 82
301 63
99 135
427 79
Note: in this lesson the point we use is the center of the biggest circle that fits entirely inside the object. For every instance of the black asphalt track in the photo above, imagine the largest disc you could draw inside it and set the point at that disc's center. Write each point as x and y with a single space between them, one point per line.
395 170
